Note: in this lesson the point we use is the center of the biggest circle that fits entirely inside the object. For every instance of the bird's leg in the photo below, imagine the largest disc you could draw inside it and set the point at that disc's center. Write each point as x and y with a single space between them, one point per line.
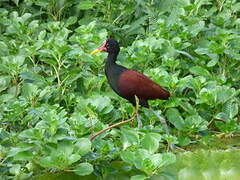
139 121
162 120
164 124
136 112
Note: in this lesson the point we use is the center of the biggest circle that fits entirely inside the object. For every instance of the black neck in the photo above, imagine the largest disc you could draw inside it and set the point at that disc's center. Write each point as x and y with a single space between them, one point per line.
112 57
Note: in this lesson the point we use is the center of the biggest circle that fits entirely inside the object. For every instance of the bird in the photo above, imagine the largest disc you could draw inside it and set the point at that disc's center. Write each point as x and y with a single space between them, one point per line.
128 83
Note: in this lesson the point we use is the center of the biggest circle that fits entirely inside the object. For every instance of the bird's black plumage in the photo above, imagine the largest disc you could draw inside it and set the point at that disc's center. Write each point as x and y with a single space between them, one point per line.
128 83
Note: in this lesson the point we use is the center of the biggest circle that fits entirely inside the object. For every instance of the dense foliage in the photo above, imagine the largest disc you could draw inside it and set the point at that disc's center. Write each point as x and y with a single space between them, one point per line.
54 94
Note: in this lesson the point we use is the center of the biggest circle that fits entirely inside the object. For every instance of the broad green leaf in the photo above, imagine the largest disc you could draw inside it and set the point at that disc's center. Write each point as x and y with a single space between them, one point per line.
46 162
198 70
84 5
157 160
83 146
29 90
73 158
128 157
66 146
150 142
4 82
129 137
24 156
83 169
36 78
212 63
71 20
4 49
101 103
188 107
230 108
18 60
175 118
42 35
222 116
195 123
184 141
25 17
224 93
34 24
208 96
15 169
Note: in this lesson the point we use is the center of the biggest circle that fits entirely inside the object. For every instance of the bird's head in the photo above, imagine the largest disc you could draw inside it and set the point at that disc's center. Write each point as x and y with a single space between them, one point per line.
110 46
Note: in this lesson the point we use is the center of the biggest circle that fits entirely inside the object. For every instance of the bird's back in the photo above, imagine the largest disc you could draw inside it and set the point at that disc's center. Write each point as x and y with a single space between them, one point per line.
131 83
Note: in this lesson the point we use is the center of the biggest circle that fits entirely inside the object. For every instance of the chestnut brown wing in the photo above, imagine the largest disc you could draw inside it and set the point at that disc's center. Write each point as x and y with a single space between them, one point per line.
132 83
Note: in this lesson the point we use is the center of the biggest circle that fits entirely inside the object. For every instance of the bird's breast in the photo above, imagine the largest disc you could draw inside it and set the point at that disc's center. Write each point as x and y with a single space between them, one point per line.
113 74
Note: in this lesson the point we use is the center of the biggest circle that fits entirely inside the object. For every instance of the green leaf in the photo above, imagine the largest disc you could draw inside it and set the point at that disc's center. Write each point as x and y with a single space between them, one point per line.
188 107
84 5
129 137
16 2
23 156
195 123
33 25
4 49
184 141
101 103
138 177
175 118
66 146
207 96
150 142
83 169
42 35
83 146
32 76
168 158
128 157
15 169
18 60
4 82
224 93
46 162
71 20
231 109
29 90
73 158
198 70
157 160
212 63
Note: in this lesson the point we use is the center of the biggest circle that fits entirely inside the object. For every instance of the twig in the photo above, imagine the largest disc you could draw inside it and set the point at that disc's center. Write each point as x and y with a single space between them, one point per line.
112 126
120 123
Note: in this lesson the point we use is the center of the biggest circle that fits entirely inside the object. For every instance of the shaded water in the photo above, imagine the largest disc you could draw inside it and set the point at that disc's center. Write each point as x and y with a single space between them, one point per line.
203 162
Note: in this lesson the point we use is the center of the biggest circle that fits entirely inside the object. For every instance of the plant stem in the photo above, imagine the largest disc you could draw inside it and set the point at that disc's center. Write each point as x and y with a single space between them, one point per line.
120 123
112 126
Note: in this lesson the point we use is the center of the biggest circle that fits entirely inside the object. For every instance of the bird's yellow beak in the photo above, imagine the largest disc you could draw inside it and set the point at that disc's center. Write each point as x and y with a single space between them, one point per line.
96 51
102 48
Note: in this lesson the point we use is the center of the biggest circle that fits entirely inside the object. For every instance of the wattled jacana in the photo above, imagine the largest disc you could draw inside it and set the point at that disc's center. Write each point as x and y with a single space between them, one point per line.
128 83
